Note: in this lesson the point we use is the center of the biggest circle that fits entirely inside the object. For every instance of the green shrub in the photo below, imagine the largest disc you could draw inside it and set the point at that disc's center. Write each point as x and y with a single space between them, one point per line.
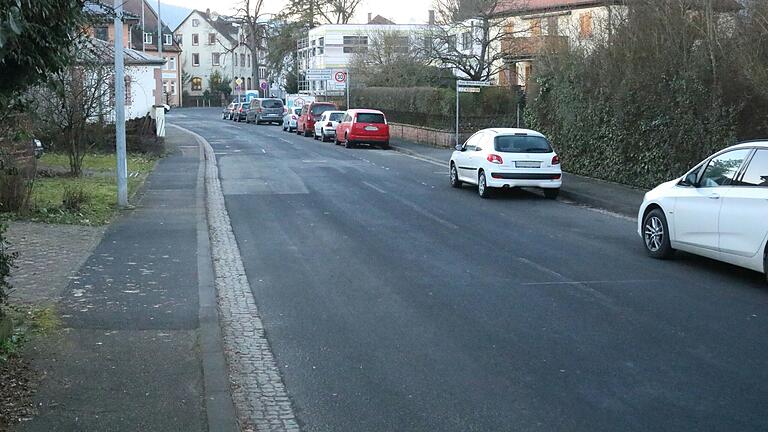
6 264
75 198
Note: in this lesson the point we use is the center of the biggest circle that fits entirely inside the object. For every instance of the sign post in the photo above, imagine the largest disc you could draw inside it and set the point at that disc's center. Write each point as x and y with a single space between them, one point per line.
238 81
463 86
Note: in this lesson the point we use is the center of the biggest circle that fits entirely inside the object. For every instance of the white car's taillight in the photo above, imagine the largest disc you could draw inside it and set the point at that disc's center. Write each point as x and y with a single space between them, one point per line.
495 159
555 160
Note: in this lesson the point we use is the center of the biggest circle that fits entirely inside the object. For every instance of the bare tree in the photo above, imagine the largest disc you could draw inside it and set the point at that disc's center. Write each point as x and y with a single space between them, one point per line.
471 36
316 12
77 97
252 15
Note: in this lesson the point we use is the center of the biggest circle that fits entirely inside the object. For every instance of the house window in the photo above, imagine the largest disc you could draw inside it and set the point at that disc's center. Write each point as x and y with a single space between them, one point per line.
197 84
242 59
585 25
552 26
234 56
355 44
195 22
195 59
171 63
536 27
147 38
452 42
173 87
248 84
249 60
195 39
215 58
101 33
167 40
179 38
128 81
211 38
466 40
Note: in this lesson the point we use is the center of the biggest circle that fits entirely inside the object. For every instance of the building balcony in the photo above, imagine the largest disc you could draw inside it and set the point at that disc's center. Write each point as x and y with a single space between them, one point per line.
526 48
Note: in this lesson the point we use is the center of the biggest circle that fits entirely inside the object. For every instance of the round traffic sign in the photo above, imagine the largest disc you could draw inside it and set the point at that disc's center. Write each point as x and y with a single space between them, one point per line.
264 85
340 76
298 102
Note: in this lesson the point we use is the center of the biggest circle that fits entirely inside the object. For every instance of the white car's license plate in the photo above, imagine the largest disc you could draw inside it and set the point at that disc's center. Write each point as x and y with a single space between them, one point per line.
371 128
524 164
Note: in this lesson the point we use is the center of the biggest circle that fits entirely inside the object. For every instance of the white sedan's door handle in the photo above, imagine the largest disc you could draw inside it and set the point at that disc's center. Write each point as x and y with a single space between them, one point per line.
714 196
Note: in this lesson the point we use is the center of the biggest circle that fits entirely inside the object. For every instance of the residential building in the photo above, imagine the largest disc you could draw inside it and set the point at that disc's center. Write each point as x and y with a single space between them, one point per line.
333 46
535 26
146 36
215 43
142 71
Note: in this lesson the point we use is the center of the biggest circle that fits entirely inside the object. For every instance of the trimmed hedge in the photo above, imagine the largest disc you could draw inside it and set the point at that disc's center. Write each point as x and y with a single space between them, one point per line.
436 107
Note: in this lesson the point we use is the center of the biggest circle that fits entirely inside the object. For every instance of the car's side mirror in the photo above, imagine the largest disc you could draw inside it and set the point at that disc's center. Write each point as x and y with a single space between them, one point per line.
690 179
459 147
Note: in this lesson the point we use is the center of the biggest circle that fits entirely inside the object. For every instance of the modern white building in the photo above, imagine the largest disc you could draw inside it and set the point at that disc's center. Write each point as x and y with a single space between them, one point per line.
333 46
215 43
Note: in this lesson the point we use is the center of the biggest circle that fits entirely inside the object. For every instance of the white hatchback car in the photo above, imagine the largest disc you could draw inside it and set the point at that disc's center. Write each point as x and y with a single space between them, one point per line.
507 158
290 119
719 209
325 128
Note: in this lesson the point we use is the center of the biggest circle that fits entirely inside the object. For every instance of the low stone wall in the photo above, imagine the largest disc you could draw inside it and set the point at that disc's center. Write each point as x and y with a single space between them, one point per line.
427 136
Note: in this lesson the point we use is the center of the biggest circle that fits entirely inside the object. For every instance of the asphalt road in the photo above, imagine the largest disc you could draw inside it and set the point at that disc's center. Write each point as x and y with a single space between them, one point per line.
395 303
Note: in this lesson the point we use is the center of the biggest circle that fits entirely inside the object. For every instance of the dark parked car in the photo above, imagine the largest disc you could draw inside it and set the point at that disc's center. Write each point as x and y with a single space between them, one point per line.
266 110
240 111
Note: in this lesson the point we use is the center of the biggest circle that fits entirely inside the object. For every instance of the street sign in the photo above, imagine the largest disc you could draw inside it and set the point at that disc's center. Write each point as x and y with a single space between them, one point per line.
469 89
238 82
318 75
340 76
463 83
237 87
264 85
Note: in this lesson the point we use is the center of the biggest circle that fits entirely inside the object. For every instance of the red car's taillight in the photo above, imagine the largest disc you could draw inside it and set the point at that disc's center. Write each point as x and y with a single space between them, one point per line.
555 160
494 158
293 117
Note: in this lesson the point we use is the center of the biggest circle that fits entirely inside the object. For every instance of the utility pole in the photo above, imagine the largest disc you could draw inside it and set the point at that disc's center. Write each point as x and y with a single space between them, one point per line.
160 41
122 162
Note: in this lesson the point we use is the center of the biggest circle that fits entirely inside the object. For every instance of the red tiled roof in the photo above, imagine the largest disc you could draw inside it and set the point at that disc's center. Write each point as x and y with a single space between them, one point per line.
508 7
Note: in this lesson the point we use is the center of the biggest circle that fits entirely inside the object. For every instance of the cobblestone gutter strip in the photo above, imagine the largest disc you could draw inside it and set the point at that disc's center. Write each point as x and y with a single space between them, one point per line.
260 398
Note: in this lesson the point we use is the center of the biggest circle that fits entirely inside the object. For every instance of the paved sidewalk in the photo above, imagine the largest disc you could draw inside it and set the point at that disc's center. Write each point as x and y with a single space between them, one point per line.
604 195
133 353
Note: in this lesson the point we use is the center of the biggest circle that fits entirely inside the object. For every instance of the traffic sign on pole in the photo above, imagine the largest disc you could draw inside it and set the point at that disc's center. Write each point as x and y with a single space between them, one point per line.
318 75
469 89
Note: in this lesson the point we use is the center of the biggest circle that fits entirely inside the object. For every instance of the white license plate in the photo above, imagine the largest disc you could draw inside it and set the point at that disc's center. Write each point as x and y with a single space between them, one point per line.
527 164
371 128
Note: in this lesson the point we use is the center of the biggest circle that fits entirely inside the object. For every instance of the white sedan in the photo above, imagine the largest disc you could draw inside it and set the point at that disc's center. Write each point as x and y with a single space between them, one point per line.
325 128
719 209
291 118
506 158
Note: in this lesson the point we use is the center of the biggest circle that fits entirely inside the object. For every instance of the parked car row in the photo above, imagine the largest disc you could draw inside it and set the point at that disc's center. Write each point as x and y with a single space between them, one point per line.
259 110
324 121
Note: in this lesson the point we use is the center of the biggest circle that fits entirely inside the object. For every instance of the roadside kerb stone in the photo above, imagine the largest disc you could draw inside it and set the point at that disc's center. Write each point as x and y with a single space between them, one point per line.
258 392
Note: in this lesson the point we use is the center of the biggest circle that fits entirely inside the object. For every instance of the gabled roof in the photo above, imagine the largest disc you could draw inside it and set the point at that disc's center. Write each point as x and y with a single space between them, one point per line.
104 12
520 7
224 25
381 20
104 52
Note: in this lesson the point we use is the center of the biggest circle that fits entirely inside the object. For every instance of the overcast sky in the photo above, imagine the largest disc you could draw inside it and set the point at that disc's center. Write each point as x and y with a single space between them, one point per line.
399 11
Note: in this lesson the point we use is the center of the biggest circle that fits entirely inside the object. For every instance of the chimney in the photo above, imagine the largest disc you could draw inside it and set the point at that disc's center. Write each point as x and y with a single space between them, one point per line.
431 17
369 17
208 11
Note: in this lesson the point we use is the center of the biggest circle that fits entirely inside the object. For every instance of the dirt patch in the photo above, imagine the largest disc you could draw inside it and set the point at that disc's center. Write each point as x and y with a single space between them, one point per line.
17 385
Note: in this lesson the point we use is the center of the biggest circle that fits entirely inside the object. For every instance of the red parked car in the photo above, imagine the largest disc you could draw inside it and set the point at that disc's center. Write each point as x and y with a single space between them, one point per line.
310 114
363 126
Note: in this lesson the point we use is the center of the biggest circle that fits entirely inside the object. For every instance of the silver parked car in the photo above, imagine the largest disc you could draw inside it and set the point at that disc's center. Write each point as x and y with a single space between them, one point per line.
266 110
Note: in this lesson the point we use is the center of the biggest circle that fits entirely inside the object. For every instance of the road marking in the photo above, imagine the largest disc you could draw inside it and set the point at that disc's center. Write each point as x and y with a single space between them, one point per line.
284 140
374 187
421 159
627 281
314 161
263 151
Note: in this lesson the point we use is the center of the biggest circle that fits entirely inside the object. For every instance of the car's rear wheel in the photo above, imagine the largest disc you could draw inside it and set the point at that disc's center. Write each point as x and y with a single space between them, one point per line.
336 140
308 133
765 263
455 182
314 136
482 186
385 146
656 235
348 143
551 193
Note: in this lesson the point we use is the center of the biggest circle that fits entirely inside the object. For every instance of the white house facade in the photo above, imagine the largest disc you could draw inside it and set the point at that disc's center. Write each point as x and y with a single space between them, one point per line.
214 43
333 46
